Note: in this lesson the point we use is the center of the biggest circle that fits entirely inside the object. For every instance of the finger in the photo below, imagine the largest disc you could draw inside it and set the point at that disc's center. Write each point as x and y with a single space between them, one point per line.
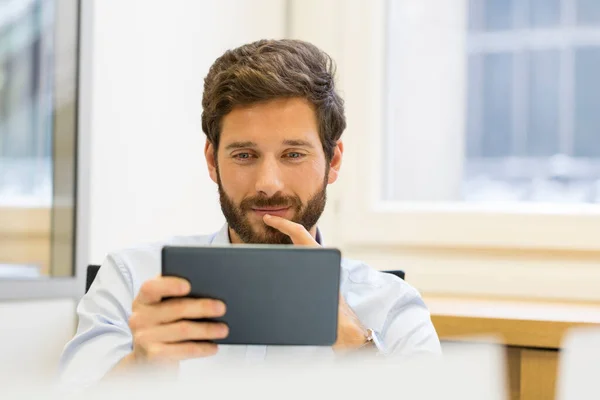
171 310
181 351
296 232
182 331
154 290
186 308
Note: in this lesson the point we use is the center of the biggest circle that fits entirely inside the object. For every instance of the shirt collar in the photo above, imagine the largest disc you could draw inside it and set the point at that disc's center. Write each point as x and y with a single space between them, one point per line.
221 238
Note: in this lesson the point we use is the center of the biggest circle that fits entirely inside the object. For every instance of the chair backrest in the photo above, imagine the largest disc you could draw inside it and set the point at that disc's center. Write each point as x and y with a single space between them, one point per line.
398 272
92 271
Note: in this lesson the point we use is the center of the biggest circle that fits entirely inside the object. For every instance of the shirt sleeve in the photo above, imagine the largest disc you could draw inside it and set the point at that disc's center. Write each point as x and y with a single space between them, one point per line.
408 329
103 336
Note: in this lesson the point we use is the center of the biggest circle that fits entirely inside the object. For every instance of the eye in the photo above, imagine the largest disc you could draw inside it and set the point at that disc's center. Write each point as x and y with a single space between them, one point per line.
242 156
294 155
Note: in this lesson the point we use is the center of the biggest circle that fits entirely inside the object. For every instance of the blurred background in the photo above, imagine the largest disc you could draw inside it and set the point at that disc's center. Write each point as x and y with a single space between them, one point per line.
472 161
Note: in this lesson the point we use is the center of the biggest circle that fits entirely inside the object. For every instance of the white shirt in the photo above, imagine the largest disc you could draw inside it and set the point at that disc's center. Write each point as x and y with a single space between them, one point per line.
382 302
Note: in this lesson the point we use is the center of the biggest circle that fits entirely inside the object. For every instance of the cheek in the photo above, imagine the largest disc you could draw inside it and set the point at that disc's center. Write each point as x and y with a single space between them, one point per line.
235 182
317 171
307 180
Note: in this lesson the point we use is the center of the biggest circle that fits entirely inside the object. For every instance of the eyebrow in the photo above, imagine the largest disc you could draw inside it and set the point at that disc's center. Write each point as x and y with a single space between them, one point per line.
287 142
298 143
240 145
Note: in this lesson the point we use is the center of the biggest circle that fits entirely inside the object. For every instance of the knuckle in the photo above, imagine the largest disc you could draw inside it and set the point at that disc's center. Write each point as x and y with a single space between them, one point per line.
140 339
153 351
147 287
180 307
185 328
135 321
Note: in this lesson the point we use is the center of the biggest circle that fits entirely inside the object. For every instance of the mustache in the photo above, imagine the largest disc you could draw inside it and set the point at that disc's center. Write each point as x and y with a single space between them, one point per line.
273 201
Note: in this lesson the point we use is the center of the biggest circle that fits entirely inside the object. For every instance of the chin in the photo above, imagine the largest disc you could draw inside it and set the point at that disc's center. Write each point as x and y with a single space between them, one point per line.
268 235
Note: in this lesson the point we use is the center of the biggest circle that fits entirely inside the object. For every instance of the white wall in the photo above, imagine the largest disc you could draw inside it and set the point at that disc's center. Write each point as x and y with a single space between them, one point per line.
147 177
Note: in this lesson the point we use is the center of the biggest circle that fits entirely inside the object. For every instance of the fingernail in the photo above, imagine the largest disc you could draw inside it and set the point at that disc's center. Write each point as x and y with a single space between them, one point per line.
224 330
184 287
220 307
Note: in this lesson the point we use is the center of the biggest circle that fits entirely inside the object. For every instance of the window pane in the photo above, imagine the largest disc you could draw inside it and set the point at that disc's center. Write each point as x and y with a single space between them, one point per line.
37 136
530 123
498 14
476 15
497 105
544 80
474 112
588 12
587 102
544 13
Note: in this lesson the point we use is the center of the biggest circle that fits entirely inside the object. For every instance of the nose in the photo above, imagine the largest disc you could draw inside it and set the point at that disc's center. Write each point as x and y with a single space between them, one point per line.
269 180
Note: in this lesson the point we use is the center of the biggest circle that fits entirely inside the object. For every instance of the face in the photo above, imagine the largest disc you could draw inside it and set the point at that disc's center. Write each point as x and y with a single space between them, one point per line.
271 161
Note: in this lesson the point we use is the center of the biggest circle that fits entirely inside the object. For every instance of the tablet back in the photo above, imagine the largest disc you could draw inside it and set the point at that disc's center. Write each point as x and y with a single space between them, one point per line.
275 295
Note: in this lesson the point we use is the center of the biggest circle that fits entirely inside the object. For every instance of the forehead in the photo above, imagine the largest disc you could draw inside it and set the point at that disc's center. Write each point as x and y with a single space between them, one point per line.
271 122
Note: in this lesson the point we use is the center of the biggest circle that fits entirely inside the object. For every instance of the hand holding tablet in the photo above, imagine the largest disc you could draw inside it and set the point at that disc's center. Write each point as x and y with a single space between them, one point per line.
163 330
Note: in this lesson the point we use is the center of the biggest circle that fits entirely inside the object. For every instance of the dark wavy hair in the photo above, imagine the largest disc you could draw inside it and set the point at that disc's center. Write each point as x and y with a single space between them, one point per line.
273 69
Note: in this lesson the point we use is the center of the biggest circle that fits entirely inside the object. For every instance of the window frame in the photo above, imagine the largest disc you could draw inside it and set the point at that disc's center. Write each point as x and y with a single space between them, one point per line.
73 286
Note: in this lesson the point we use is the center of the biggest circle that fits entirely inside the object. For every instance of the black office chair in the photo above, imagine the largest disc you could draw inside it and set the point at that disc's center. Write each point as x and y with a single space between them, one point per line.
92 271
398 272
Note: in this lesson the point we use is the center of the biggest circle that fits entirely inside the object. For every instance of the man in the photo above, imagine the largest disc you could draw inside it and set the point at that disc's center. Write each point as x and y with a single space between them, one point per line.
273 122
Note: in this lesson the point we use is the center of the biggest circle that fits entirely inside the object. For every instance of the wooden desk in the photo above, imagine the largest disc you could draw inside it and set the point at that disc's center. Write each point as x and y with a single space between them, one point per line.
532 332
25 236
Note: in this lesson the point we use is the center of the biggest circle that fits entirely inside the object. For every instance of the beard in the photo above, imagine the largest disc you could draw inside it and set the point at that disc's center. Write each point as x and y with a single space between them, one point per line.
237 216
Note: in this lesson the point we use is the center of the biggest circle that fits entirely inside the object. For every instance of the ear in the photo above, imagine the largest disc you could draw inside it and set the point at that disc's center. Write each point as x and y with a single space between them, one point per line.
336 162
211 161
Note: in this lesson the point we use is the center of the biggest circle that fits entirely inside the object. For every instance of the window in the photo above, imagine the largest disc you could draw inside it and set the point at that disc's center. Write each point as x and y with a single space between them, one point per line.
38 137
530 115
437 161
533 90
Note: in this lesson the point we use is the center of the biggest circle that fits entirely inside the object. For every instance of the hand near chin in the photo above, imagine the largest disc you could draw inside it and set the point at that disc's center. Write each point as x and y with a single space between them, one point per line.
350 333
299 235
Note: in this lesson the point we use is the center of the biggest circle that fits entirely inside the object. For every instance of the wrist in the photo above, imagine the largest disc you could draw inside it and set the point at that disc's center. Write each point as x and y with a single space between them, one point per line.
373 340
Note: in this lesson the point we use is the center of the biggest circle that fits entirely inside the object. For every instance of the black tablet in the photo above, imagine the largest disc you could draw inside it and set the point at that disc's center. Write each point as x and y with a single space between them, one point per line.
275 295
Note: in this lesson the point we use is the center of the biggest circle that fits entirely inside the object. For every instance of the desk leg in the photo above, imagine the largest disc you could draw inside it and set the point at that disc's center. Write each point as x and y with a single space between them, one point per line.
513 355
539 369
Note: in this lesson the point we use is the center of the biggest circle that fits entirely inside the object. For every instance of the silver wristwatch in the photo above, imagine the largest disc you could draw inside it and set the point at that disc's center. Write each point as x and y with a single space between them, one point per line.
374 338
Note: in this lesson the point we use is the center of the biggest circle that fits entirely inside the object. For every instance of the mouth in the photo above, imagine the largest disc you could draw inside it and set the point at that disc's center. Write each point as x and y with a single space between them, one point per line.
276 211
